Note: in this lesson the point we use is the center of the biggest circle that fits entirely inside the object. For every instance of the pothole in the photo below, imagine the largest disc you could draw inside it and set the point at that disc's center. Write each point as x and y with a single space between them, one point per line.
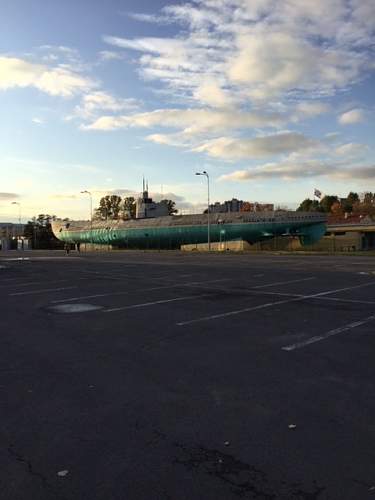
74 308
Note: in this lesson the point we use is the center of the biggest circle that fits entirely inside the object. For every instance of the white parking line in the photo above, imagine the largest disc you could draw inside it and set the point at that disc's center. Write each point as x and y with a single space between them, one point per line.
281 294
30 283
271 304
45 290
147 304
284 282
325 336
132 291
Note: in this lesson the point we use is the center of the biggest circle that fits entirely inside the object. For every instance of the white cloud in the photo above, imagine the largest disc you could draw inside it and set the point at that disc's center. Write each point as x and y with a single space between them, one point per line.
352 116
237 149
56 81
351 149
110 55
211 94
100 101
254 50
37 121
18 73
177 140
190 121
289 170
311 108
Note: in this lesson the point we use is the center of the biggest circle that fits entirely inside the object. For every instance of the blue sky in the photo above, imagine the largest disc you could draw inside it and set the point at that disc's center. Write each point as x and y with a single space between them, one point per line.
272 98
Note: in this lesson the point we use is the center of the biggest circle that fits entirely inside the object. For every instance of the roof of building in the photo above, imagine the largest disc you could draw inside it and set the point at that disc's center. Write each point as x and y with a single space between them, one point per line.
336 220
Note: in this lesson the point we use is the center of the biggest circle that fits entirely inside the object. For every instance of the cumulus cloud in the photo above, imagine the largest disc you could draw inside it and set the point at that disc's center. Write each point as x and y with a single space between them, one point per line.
352 116
289 170
57 81
270 63
239 67
259 49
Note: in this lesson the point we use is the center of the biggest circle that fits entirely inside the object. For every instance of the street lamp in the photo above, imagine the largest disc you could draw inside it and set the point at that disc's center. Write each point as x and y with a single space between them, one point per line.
19 210
19 216
208 206
89 193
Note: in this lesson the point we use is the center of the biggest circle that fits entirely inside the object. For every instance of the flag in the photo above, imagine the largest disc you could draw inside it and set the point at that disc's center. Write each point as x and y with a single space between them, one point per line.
317 193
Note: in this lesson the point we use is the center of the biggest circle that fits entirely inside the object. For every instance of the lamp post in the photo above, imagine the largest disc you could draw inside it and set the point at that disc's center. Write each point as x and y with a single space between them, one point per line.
19 210
208 206
19 217
89 193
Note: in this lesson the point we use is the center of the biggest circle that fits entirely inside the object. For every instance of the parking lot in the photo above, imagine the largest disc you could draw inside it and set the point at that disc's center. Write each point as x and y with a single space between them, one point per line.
173 376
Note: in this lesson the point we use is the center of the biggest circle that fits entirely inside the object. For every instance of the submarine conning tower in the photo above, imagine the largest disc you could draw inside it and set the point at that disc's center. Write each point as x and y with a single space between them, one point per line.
146 208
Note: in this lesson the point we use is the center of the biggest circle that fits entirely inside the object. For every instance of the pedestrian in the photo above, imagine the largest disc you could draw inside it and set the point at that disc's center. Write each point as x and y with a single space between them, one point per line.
78 247
67 248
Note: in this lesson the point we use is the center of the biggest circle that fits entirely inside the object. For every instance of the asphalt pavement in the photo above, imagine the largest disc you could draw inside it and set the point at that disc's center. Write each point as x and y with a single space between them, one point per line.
175 376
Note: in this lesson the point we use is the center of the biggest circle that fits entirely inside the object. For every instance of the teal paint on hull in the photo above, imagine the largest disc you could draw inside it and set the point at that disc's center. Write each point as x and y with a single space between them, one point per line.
174 236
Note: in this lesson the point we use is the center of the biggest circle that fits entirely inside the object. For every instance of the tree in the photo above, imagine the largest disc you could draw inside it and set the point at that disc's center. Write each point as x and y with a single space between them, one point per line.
350 202
337 208
39 231
369 198
171 206
327 202
308 206
353 198
109 207
128 207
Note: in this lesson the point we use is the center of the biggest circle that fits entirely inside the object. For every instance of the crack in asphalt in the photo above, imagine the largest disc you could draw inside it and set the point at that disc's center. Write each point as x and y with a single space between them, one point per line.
22 459
244 479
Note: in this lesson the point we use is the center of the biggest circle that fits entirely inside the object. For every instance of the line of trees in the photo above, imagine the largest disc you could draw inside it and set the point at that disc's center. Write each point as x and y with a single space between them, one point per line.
339 206
113 207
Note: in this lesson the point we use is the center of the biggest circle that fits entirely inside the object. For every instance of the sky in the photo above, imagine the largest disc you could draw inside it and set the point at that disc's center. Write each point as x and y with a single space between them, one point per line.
272 98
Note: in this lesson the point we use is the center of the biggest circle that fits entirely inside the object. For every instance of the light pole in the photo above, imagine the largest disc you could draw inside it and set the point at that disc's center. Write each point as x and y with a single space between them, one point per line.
89 193
19 218
208 206
19 210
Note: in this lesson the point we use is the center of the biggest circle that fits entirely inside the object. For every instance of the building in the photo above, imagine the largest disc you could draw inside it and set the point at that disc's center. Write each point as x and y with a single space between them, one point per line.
10 234
257 207
235 205
350 232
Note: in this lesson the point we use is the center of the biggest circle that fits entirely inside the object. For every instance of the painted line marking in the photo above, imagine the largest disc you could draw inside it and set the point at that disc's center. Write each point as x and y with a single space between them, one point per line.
270 304
156 302
331 333
98 295
284 282
30 283
45 290
336 299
